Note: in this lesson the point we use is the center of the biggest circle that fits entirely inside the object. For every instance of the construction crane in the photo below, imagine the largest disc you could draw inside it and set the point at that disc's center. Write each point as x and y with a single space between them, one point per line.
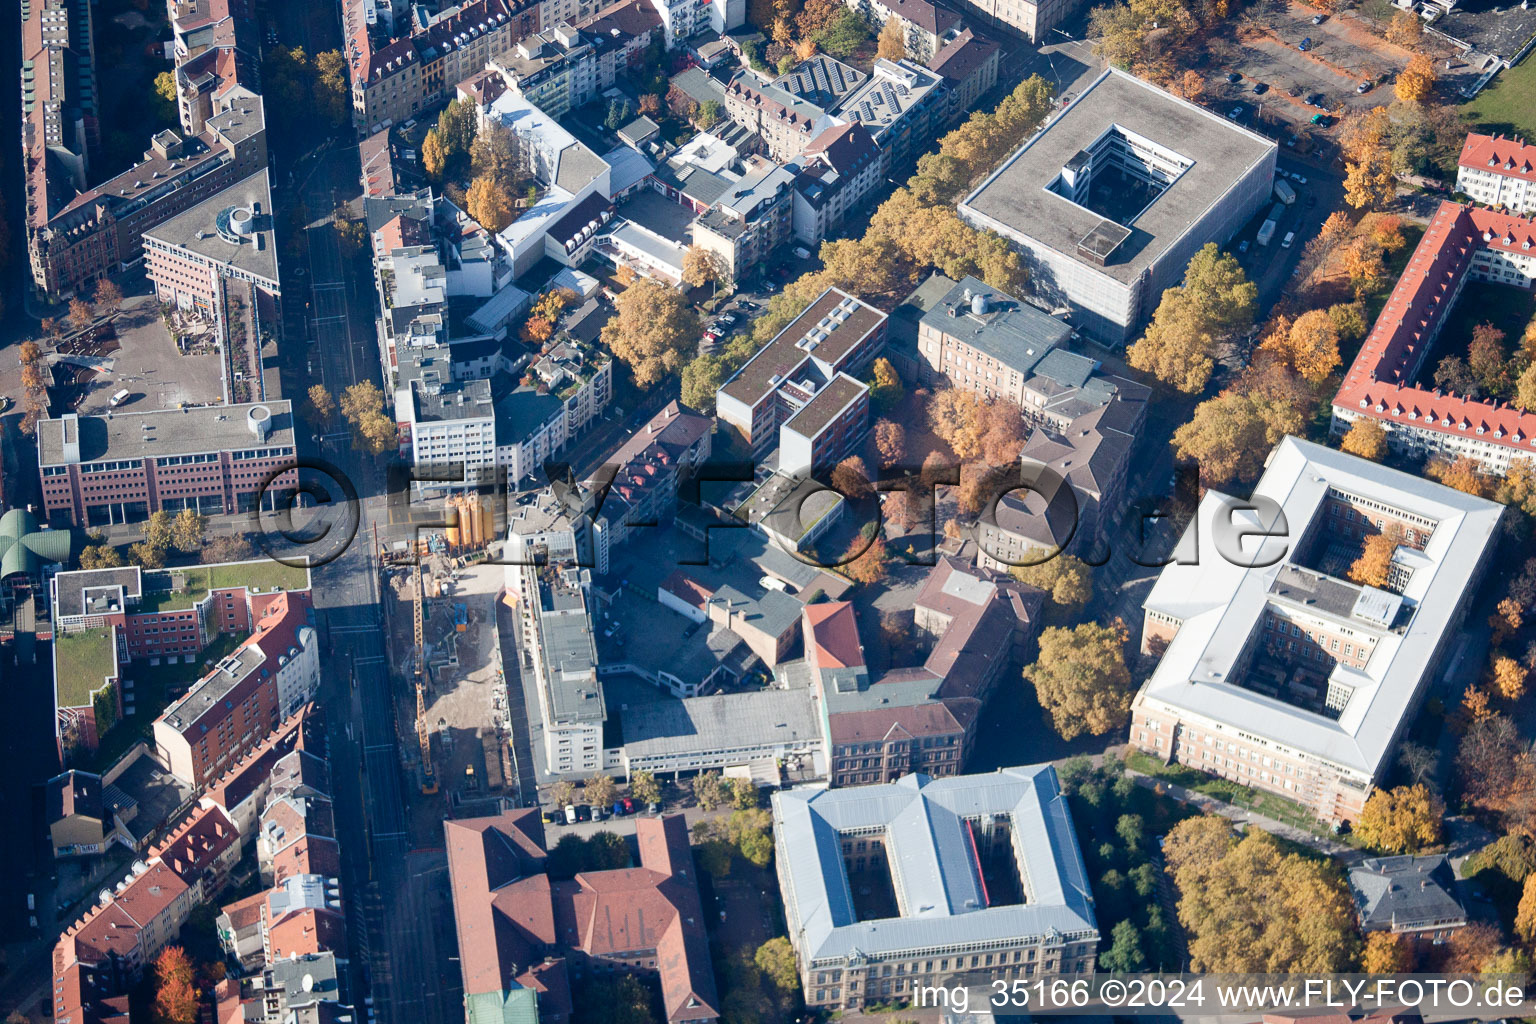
419 668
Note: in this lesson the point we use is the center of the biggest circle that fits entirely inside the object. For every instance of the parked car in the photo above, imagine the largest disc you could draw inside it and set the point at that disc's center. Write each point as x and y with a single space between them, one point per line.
583 812
1235 113
748 306
1306 44
570 814
1290 236
1259 88
1314 99
654 808
1234 77
1300 179
628 805
551 818
1322 120
1242 246
1317 19
1363 87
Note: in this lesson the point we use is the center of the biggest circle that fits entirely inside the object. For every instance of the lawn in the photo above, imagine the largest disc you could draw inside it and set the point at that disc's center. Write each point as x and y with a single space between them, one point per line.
172 590
1508 105
82 660
1271 805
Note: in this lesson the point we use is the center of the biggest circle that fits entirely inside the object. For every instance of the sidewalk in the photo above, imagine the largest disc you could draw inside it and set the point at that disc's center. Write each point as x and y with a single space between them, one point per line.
1241 815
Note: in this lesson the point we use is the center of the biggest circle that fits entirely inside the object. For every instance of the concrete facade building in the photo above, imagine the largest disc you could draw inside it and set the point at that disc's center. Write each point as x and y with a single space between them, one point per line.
968 64
1461 244
986 873
449 431
1278 672
98 470
839 173
1108 202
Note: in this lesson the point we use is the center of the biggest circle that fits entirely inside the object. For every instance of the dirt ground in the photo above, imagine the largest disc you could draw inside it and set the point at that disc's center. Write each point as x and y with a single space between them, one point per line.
466 690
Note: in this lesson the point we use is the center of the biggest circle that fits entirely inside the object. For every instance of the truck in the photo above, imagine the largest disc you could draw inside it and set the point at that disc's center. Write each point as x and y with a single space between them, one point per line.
1267 229
1284 192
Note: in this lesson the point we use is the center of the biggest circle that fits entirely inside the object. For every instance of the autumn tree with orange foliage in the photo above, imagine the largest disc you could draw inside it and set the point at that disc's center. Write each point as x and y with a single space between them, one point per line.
1506 620
1374 566
1476 703
890 442
1416 82
1365 438
175 996
1465 475
868 561
1309 346
1508 676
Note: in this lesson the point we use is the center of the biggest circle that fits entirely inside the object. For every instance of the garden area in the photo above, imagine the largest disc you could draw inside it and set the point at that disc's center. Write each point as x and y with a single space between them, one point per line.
1119 827
1270 805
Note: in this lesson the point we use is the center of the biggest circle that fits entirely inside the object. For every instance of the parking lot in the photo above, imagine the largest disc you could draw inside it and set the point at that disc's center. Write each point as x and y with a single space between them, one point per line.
149 367
1265 51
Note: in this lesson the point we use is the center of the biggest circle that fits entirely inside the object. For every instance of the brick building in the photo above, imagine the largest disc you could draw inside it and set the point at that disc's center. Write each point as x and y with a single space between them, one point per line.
118 469
77 235
240 702
1282 674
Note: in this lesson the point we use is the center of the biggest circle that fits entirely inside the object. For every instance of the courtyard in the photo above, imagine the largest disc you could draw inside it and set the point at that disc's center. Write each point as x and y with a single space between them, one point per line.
149 365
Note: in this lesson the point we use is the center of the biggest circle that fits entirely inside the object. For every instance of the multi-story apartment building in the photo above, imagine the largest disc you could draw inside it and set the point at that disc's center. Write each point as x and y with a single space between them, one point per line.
448 429
558 639
786 122
1498 171
217 55
836 337
901 106
648 470
1032 19
751 221
839 172
556 70
1062 199
1032 917
987 342
118 469
59 110
219 261
683 19
238 704
569 387
100 957
74 237
926 26
394 83
968 64
1283 674
1461 244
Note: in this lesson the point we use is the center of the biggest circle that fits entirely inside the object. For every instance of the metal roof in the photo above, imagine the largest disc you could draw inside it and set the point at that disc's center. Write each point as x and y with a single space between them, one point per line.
933 868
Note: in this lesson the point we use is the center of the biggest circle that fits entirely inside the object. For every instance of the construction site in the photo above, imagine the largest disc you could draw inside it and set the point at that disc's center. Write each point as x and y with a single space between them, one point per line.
447 664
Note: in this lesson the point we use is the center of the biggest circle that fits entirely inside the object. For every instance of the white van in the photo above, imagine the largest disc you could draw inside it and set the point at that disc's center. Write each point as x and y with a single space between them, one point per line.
119 398
1290 236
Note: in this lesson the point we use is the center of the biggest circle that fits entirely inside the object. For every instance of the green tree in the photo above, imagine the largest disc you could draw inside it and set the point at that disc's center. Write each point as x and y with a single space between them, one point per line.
1124 955
1081 680
100 556
599 791
885 388
709 790
776 959
701 379
333 94
159 530
1231 435
563 793
743 793
456 128
166 98
709 114
644 788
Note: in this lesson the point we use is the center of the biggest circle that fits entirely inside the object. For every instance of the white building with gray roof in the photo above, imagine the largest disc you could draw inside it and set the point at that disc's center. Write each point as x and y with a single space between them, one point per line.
924 881
1278 670
1111 199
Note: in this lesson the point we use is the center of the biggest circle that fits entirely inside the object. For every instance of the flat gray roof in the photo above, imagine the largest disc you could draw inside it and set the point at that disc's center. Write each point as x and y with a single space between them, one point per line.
1015 333
206 228
933 863
719 723
1015 195
165 432
570 655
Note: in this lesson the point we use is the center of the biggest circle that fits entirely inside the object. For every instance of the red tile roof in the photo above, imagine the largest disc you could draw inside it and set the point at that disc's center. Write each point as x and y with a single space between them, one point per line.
1513 158
1378 384
687 589
833 635
197 844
